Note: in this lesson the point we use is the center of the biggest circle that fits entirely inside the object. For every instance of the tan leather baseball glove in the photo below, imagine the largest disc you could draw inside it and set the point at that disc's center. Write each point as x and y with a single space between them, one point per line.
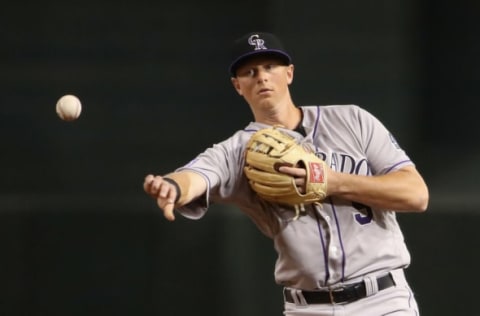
270 148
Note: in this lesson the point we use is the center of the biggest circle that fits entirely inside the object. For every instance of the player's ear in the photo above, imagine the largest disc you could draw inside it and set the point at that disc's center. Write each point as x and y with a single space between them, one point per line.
236 85
290 69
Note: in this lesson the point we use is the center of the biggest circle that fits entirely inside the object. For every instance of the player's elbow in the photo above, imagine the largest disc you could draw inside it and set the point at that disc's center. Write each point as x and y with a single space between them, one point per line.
418 195
422 205
420 199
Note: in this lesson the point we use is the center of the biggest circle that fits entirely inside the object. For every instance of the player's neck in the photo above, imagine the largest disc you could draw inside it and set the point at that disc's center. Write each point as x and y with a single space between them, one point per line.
289 117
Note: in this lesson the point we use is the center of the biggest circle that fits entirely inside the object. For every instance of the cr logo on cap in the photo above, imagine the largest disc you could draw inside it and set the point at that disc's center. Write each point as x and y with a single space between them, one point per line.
256 41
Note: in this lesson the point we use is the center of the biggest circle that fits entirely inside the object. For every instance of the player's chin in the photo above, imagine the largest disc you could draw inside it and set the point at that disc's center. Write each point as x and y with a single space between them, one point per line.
265 103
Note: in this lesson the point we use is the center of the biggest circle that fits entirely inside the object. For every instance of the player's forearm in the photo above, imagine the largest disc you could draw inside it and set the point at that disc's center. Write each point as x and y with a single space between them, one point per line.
191 185
403 190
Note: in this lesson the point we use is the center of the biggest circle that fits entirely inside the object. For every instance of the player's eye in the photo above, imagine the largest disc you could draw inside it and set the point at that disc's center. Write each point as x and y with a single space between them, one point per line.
248 72
269 66
251 72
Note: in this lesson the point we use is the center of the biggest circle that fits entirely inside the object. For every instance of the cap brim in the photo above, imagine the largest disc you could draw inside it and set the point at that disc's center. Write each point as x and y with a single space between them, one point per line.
273 52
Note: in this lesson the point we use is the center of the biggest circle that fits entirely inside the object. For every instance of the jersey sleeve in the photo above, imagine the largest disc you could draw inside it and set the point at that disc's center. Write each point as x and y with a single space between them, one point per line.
380 146
221 166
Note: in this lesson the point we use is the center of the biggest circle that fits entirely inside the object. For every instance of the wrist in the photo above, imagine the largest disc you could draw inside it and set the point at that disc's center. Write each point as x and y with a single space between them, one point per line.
177 188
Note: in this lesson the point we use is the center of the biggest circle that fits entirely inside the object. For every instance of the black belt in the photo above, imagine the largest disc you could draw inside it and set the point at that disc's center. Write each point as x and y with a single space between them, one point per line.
345 294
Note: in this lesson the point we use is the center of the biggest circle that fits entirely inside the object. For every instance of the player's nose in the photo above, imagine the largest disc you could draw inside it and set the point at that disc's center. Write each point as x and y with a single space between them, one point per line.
262 75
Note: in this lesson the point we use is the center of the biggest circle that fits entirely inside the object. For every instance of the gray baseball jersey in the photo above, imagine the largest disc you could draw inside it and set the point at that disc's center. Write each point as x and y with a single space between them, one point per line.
336 241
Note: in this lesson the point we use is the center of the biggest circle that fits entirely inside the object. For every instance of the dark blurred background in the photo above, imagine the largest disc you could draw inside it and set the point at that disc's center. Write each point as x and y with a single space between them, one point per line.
79 237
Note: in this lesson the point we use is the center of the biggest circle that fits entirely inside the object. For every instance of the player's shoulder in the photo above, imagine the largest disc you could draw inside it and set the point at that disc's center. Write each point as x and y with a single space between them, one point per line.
241 136
339 108
335 112
253 127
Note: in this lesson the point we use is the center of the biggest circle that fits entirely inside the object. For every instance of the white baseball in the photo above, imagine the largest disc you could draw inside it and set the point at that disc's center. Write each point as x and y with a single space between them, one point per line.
69 107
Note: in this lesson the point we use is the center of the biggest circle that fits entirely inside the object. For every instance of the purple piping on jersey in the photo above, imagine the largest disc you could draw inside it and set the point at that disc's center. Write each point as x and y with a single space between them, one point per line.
396 165
411 299
339 237
325 252
316 122
191 163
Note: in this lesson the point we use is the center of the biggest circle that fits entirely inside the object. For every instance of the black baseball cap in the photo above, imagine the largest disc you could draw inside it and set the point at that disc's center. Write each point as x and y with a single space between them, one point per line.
254 44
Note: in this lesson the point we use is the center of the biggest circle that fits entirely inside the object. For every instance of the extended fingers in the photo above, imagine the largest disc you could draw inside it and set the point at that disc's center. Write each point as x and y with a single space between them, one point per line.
147 183
164 192
168 206
156 186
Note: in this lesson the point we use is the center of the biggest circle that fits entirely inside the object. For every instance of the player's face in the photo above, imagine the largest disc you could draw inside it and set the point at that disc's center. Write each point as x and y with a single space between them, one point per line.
263 81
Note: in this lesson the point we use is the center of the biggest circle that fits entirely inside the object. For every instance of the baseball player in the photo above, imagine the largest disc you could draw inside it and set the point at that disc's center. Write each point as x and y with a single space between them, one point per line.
339 253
